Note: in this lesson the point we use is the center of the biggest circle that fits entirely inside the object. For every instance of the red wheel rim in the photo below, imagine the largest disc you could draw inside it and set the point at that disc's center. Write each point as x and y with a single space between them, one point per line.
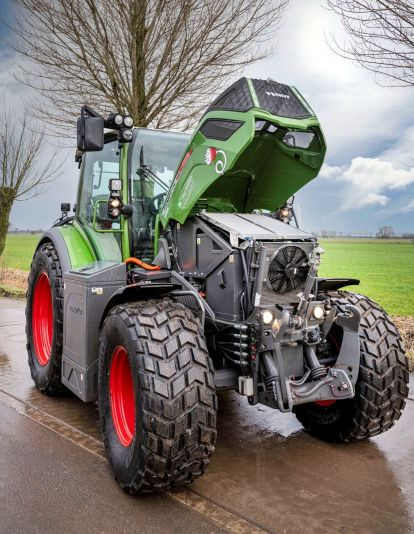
121 390
328 402
42 319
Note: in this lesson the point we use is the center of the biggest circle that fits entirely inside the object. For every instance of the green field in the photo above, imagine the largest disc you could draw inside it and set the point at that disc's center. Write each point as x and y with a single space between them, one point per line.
19 251
385 268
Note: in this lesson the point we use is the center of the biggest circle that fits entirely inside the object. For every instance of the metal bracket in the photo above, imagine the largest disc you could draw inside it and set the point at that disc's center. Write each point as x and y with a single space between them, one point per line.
349 355
336 385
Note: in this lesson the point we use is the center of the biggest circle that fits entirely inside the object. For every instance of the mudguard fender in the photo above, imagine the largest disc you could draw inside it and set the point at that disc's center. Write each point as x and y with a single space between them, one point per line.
332 284
54 235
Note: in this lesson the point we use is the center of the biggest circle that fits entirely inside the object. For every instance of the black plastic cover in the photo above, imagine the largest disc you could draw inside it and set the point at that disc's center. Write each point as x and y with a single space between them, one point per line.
279 99
236 98
220 129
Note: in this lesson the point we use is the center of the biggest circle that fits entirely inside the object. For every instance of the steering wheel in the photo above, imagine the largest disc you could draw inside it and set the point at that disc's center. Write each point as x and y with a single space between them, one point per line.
155 204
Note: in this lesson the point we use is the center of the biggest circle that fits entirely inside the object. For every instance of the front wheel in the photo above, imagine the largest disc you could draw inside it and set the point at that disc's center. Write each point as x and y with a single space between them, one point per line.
382 384
44 320
156 395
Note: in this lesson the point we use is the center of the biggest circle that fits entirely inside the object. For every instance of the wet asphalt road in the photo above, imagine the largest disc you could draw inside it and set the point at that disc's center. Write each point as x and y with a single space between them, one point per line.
267 474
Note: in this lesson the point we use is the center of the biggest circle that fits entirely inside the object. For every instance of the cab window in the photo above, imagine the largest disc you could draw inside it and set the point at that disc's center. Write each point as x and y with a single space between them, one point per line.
96 171
155 157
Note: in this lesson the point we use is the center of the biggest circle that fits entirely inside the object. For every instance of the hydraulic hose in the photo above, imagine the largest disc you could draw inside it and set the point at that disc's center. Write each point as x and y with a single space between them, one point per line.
142 264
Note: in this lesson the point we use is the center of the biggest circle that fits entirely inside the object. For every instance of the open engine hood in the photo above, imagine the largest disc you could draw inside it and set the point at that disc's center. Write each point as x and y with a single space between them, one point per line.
256 146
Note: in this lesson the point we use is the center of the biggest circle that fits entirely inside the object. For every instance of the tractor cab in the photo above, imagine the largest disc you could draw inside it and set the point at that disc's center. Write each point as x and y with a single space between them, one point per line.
151 159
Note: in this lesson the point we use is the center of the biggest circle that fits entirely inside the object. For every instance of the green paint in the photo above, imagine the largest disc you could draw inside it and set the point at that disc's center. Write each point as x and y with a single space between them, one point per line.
80 250
157 232
253 93
124 175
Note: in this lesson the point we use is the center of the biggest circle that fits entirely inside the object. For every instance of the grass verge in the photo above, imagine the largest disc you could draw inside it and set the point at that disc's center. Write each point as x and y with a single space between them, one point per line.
12 292
405 326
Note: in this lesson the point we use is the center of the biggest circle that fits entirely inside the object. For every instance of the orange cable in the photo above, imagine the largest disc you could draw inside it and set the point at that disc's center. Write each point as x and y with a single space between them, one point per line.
142 264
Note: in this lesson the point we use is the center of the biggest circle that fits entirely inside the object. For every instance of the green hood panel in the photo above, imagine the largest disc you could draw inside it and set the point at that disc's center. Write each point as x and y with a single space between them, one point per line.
242 156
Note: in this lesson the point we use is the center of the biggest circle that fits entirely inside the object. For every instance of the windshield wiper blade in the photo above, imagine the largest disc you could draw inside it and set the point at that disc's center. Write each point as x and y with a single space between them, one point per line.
148 173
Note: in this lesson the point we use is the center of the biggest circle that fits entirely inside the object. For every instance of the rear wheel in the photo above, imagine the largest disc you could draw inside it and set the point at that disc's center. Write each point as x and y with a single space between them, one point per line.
382 384
44 320
157 400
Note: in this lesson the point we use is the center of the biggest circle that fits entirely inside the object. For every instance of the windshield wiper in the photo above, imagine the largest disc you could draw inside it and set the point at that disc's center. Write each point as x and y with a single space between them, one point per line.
145 170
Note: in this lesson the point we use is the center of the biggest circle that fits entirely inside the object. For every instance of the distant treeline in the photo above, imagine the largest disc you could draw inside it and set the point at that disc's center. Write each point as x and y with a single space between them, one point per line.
26 231
369 235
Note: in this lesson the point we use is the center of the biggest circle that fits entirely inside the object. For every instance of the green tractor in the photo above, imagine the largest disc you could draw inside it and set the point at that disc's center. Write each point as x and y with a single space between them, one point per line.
183 272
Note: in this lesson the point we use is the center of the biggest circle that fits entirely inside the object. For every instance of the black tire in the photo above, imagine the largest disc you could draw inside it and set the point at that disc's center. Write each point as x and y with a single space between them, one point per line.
382 385
173 429
46 271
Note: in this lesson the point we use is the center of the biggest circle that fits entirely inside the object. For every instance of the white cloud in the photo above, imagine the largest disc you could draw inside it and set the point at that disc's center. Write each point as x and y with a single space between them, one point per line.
401 152
365 181
374 174
409 207
330 172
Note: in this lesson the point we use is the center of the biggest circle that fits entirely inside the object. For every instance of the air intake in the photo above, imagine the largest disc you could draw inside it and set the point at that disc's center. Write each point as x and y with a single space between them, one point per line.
288 269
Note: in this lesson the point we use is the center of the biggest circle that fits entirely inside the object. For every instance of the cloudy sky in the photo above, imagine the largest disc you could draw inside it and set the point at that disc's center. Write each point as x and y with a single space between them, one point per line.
368 177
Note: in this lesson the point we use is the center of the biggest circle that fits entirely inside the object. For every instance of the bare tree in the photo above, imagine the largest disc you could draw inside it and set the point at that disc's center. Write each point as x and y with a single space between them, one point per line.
385 232
159 60
381 36
22 172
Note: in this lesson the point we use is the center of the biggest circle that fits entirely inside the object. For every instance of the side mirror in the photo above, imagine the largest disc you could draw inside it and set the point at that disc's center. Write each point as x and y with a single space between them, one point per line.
90 130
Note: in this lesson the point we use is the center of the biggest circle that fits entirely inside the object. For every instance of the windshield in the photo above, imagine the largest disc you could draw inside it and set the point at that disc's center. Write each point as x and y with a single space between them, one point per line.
155 157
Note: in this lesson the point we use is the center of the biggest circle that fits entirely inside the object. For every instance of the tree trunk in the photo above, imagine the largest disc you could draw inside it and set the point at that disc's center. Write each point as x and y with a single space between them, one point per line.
138 20
6 203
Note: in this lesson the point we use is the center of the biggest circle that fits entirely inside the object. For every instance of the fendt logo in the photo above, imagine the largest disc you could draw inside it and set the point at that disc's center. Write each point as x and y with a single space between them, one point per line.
219 156
75 309
270 93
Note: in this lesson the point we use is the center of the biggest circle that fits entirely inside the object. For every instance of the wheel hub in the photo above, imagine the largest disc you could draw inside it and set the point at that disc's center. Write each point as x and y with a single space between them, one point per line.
42 319
121 389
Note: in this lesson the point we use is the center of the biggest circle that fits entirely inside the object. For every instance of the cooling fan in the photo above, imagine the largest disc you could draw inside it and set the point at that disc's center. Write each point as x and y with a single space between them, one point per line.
288 269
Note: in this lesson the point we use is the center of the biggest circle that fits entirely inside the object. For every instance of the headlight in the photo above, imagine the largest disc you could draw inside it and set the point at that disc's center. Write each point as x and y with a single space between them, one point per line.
318 312
114 203
118 119
128 121
127 135
267 317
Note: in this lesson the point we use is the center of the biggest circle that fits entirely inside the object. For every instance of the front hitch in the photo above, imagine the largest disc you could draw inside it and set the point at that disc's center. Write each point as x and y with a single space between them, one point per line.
336 383
339 382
